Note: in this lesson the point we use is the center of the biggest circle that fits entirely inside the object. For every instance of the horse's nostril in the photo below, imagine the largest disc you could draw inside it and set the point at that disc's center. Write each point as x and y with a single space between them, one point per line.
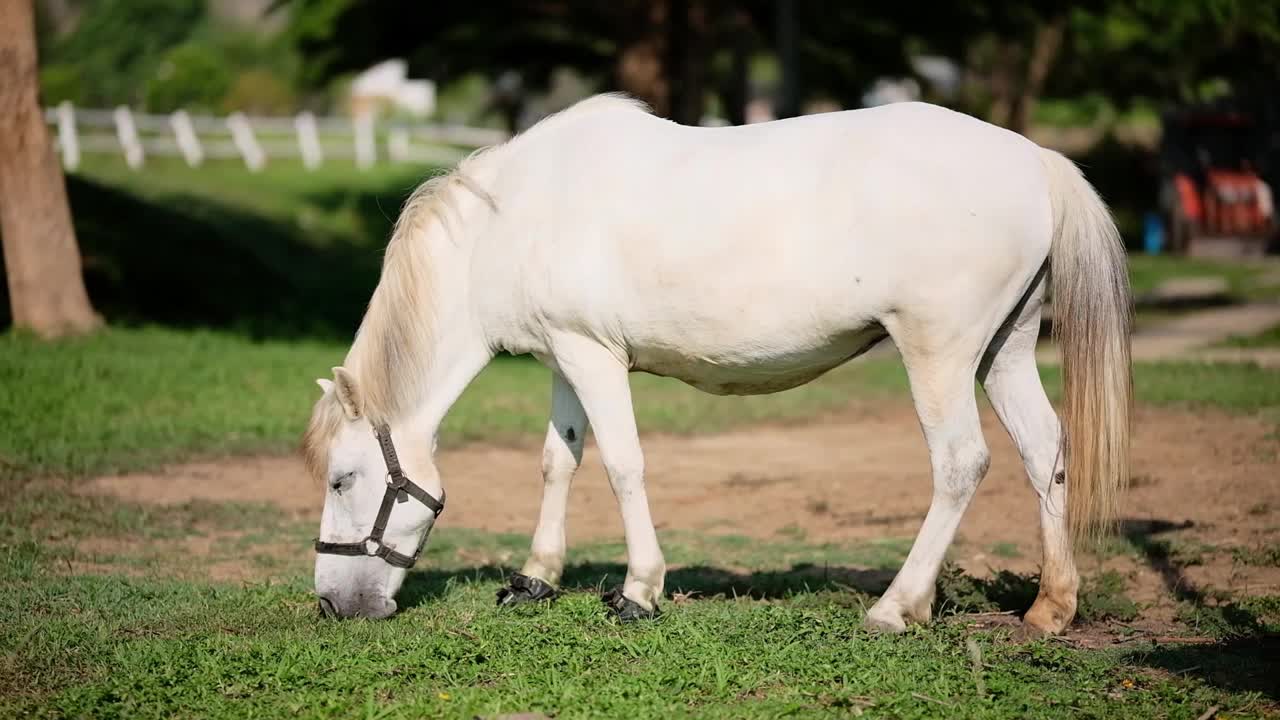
327 608
384 609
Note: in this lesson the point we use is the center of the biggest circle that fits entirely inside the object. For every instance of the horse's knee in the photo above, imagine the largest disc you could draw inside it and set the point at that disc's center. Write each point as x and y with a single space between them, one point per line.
558 462
958 473
625 471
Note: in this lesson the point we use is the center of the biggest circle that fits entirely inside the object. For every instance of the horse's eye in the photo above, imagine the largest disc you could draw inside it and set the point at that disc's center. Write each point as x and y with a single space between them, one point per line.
341 481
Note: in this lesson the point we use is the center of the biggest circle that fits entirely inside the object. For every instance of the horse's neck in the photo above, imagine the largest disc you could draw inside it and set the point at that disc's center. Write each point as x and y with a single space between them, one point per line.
429 287
457 348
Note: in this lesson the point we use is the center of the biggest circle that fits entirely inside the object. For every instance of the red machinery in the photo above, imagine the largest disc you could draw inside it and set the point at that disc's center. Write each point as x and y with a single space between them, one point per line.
1216 203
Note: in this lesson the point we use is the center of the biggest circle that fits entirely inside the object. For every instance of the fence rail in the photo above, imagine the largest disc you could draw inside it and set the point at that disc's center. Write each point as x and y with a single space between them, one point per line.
257 140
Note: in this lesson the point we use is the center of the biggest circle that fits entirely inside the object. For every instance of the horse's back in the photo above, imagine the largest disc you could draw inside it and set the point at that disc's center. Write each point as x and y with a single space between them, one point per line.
753 258
908 177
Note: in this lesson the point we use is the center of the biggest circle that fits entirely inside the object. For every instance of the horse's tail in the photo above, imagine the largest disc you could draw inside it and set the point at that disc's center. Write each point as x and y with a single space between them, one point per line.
1092 318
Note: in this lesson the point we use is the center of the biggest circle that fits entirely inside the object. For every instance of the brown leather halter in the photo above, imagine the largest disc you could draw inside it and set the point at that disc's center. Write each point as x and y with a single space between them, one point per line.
399 489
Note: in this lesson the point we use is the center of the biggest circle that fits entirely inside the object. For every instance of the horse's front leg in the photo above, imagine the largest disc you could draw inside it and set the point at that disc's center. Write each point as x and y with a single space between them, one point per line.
600 380
561 455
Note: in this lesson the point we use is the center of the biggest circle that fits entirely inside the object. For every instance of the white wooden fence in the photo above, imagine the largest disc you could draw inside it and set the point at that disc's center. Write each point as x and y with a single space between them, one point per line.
259 140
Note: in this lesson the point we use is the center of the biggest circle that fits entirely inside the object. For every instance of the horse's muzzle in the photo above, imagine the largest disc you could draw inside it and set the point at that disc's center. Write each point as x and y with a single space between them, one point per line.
373 607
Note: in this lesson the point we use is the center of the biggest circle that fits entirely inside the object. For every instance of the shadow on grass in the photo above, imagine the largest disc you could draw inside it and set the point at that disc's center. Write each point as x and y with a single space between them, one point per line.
858 584
1246 656
1243 664
193 262
1220 615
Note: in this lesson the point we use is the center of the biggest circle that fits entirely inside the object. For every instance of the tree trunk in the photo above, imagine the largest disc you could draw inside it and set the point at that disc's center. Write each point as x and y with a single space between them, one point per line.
736 91
1018 78
42 258
1044 51
641 70
687 49
788 104
1005 69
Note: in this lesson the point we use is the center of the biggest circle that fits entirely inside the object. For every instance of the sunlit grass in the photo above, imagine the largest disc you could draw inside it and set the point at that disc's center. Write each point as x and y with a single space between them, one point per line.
132 398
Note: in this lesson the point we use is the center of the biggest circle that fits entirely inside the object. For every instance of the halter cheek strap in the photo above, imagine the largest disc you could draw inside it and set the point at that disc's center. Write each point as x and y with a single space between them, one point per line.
399 489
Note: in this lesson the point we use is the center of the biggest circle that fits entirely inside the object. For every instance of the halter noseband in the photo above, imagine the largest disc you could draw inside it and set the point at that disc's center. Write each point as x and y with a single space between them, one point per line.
399 489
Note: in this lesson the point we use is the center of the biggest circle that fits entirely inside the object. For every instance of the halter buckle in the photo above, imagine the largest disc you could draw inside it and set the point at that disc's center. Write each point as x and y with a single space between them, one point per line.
372 545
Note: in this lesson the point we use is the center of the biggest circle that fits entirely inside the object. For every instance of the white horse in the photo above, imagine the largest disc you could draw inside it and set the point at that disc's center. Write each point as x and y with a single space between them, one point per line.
740 260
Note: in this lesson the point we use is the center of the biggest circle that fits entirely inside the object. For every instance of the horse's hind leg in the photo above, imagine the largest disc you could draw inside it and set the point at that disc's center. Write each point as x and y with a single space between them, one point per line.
561 455
1012 383
942 378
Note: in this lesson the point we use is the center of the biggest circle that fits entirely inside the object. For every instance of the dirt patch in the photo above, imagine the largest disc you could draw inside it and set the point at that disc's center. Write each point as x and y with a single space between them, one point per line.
1205 483
863 474
206 554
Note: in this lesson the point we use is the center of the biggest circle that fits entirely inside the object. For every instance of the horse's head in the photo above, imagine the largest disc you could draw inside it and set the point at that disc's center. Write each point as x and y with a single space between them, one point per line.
381 500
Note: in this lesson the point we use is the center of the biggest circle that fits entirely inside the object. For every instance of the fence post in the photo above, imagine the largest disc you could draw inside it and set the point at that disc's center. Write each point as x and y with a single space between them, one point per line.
246 143
127 132
185 133
398 145
68 142
308 140
366 148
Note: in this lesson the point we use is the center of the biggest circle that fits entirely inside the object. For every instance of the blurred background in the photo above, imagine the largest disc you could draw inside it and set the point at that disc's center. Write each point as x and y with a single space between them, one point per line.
291 129
195 196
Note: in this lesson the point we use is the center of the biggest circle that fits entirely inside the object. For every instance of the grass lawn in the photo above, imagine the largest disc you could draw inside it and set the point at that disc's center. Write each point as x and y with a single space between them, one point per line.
1269 338
115 609
1245 281
129 626
131 398
284 190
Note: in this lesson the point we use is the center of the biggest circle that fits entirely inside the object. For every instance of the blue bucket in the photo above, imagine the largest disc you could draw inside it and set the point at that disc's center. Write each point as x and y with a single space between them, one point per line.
1152 233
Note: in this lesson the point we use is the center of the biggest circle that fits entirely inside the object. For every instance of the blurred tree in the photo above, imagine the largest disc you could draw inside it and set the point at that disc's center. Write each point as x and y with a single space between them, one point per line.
1008 50
41 256
841 47
163 55
657 50
1170 49
192 75
111 54
259 91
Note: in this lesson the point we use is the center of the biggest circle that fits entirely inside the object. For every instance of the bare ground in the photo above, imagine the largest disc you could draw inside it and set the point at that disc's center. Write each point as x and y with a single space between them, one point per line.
1202 479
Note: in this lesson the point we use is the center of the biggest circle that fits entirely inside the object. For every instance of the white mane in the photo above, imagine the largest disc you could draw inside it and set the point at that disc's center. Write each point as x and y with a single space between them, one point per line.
391 350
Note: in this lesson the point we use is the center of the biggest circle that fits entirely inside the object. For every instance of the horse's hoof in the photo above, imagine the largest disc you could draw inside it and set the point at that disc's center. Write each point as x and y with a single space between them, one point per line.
1025 632
886 625
625 609
522 589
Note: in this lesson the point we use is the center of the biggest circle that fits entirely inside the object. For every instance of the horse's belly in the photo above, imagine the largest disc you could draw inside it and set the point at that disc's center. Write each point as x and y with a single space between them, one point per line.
754 370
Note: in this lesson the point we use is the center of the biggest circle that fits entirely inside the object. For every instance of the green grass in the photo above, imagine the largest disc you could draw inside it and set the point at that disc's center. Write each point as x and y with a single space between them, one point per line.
773 630
133 398
1006 550
1269 338
284 190
106 612
126 399
284 253
1244 280
182 649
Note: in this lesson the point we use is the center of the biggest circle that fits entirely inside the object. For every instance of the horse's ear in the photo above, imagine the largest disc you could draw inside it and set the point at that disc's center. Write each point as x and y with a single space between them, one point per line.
325 385
344 383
